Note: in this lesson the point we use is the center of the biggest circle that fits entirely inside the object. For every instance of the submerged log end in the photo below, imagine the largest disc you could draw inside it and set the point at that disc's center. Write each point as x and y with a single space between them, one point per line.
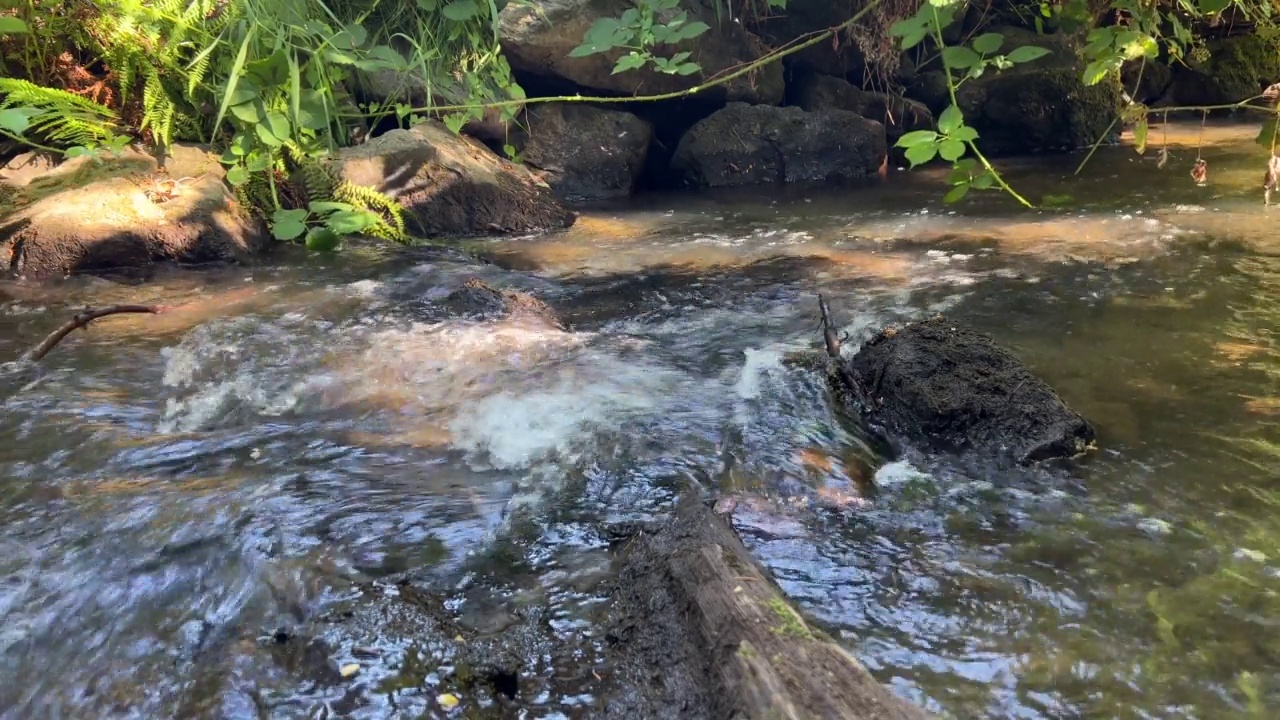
763 658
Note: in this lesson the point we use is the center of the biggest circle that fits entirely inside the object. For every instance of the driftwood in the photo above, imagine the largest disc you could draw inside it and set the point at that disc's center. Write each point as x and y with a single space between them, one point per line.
696 605
82 320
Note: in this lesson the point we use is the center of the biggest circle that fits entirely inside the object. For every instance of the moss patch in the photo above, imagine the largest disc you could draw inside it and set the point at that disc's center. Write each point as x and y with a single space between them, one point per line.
790 622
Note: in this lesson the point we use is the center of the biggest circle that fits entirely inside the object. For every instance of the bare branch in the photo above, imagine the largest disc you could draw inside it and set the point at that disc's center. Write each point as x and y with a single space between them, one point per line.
82 320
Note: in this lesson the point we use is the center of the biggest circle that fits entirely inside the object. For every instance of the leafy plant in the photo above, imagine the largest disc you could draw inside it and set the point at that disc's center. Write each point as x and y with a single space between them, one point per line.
639 31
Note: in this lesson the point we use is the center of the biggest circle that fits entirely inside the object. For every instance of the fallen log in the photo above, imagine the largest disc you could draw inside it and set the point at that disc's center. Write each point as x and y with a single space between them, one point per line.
950 389
699 618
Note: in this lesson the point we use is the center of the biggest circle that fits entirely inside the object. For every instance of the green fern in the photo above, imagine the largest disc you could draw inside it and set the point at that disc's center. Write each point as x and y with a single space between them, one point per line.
390 225
63 118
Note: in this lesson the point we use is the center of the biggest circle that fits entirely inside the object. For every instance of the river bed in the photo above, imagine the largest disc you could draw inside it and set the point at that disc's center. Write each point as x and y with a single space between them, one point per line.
183 492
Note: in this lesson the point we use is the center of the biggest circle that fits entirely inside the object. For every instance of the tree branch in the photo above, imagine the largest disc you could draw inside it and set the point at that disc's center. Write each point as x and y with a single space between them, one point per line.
82 320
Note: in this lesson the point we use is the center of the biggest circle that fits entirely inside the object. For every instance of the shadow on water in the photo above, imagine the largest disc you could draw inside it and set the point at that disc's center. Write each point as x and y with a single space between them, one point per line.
311 491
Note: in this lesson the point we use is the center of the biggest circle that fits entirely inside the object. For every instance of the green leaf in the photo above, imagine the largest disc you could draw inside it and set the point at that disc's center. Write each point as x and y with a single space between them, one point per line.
1026 53
288 224
460 10
984 181
322 239
1211 7
988 43
690 31
321 207
688 68
12 26
249 113
960 57
1140 136
14 120
917 137
950 120
238 175
270 71
350 37
257 162
950 150
920 154
349 222
1266 136
964 133
630 61
956 194
1095 71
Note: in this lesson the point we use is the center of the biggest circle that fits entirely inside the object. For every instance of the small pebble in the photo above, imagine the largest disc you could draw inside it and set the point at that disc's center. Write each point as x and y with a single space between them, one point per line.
1248 554
348 670
1154 526
448 701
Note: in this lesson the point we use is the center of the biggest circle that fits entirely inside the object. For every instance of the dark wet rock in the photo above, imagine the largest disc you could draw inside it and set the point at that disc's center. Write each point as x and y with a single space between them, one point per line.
802 17
451 185
477 299
752 144
1147 81
537 37
951 389
1237 68
121 213
898 115
583 152
1034 107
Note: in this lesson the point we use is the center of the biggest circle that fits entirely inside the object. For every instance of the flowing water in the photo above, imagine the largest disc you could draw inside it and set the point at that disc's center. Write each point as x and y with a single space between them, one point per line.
181 493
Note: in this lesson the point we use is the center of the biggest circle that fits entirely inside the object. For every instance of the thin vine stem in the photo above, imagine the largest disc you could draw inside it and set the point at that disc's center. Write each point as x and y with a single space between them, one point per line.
951 91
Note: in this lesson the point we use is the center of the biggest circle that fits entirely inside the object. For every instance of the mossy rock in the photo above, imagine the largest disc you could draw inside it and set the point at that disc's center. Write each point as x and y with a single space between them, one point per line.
1237 68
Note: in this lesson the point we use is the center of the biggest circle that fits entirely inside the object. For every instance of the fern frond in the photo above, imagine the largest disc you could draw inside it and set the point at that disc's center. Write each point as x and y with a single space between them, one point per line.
64 118
391 214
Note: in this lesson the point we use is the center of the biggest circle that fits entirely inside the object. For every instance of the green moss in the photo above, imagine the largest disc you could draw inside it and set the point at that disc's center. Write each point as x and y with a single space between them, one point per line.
791 623
1236 68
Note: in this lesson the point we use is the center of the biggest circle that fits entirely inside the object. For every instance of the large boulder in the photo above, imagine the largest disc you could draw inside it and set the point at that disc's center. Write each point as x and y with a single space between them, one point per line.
1236 68
800 18
954 390
751 144
538 37
450 185
585 153
1033 107
816 92
122 212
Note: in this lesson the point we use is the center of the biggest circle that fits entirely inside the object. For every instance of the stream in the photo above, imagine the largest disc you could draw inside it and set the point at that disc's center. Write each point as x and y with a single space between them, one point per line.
181 494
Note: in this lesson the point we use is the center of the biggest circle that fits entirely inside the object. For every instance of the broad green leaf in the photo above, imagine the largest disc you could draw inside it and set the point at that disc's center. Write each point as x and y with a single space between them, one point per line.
688 68
460 10
1140 136
1026 53
960 57
920 154
322 239
913 39
320 207
1268 134
1211 7
348 222
983 181
988 43
1095 71
249 113
270 71
917 137
12 26
630 61
14 120
257 162
288 224
964 134
950 120
690 31
950 150
429 5
246 90
238 175
350 37
956 194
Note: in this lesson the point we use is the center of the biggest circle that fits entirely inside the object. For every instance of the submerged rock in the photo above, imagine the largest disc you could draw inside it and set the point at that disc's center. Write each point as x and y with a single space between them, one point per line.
123 212
750 144
451 185
954 390
538 37
585 153
477 299
1038 106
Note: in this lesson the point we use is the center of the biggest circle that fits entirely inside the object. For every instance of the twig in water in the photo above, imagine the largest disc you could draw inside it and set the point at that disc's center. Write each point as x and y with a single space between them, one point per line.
82 320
